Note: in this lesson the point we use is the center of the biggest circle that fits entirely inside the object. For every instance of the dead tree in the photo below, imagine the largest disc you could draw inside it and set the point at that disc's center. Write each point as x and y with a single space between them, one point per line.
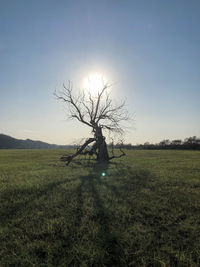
98 113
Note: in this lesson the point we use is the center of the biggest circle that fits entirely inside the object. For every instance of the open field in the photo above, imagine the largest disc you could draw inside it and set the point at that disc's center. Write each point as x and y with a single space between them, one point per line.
144 212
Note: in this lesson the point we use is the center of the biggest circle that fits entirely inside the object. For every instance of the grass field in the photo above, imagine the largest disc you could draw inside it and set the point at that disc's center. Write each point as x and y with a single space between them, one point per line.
144 212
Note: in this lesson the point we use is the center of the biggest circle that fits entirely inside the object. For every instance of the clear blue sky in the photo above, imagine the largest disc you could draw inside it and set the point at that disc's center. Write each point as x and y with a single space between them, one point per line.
149 49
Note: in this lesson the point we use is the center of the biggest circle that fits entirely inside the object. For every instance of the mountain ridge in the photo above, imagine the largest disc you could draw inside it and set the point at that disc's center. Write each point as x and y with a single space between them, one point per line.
9 142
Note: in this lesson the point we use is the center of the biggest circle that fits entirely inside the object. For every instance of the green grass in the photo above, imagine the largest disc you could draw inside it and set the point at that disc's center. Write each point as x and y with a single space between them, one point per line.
144 212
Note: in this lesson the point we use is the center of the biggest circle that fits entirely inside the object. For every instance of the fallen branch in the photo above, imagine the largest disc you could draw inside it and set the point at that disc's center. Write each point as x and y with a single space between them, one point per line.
79 151
119 156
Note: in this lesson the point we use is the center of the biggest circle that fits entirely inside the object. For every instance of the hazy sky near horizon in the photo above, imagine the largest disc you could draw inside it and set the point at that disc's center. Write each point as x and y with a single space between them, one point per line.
149 50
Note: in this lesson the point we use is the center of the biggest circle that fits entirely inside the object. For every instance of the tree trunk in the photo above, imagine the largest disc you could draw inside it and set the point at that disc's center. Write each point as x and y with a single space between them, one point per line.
100 146
102 154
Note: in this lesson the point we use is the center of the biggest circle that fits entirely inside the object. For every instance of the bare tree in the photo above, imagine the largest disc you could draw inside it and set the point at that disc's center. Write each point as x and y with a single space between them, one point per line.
97 112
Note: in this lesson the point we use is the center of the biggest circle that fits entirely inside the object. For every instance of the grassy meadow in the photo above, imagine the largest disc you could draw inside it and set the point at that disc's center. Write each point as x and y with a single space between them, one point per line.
144 212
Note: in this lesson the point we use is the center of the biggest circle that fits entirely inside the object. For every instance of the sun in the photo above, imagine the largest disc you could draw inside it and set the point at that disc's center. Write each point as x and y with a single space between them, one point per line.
94 82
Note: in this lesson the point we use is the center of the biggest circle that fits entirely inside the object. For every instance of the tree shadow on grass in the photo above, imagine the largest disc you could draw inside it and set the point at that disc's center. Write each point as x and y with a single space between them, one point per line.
108 238
109 241
66 237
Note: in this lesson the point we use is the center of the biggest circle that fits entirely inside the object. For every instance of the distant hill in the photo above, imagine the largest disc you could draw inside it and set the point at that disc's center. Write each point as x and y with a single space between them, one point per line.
7 142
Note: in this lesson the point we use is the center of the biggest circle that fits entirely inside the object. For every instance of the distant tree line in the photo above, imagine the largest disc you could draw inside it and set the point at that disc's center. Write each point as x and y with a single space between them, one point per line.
189 143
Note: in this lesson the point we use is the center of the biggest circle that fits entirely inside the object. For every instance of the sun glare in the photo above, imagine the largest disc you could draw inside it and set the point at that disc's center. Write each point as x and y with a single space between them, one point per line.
94 82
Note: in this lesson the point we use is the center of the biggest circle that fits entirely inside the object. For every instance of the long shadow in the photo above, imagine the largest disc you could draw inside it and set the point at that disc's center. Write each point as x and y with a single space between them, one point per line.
80 200
107 239
110 241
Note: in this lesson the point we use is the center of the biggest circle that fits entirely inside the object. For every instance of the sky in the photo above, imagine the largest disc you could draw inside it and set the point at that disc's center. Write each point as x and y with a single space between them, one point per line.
148 49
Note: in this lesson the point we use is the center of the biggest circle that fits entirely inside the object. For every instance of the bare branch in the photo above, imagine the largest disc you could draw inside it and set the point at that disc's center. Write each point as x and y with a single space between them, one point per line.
121 150
75 110
97 112
98 100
